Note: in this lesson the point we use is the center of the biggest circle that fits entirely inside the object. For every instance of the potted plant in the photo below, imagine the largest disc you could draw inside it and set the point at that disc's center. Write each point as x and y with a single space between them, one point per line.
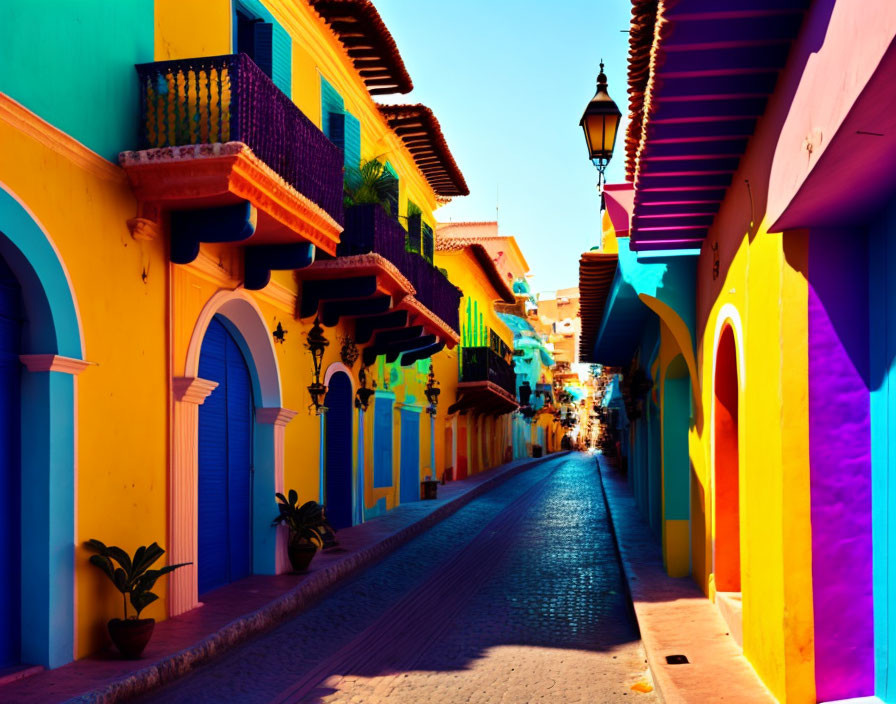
308 528
133 578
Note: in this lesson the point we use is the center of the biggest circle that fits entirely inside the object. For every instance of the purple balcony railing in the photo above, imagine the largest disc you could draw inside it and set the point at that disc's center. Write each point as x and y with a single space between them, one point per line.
368 228
484 364
229 99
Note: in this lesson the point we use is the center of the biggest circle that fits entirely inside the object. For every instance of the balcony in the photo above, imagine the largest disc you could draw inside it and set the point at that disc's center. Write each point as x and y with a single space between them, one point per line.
401 304
487 382
219 136
368 228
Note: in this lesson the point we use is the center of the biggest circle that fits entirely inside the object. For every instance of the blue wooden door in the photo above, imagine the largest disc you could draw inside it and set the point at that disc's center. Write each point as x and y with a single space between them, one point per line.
10 472
225 462
410 457
338 496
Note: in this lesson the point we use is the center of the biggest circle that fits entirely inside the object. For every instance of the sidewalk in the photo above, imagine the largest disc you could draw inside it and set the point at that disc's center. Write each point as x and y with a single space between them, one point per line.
675 617
236 612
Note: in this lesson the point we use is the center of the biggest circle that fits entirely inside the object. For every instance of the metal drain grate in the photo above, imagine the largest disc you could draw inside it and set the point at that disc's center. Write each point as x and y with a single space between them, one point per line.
677 660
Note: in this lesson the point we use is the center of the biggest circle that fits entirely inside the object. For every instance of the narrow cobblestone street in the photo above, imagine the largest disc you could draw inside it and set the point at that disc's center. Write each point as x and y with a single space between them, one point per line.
515 598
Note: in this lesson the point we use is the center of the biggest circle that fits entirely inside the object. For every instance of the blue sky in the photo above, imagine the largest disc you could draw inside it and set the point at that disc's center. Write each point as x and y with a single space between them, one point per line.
508 82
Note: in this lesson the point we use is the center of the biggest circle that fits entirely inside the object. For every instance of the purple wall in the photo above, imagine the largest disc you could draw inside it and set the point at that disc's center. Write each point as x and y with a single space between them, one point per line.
840 464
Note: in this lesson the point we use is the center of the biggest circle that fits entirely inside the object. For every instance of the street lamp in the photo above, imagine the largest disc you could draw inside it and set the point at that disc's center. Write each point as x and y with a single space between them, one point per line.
600 122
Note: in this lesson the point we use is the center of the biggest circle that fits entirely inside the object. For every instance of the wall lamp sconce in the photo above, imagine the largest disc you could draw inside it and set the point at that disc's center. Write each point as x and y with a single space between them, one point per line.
432 391
363 394
317 344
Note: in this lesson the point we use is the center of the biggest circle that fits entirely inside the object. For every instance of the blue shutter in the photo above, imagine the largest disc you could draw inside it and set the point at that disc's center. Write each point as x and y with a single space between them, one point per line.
392 195
263 49
10 468
330 103
339 451
271 47
429 243
239 461
225 463
351 147
337 129
382 442
410 457
281 60
213 538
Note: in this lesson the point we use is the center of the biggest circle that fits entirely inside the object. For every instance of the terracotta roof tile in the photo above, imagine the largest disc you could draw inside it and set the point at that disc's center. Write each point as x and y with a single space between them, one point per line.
368 42
422 135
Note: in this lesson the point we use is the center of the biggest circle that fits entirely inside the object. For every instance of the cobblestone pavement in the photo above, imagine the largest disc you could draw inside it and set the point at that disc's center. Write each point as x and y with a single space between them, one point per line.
517 597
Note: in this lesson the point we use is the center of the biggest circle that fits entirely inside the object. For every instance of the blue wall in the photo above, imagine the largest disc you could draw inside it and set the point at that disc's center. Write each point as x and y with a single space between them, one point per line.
72 63
882 310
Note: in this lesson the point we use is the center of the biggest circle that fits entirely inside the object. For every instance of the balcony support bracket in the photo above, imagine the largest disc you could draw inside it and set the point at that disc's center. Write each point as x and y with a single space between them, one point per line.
261 260
225 223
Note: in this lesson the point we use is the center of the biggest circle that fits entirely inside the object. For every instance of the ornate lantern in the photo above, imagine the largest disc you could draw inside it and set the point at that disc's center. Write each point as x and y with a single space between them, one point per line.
317 344
432 391
363 394
600 123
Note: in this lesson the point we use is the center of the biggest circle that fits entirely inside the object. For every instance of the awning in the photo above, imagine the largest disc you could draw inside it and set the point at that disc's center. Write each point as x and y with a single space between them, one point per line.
596 271
706 74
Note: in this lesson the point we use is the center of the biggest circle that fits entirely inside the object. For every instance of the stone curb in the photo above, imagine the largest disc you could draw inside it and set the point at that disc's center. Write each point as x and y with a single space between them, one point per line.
272 614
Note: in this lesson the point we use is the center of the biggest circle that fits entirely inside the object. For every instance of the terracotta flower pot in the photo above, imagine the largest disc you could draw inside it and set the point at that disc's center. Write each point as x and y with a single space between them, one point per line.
301 554
131 635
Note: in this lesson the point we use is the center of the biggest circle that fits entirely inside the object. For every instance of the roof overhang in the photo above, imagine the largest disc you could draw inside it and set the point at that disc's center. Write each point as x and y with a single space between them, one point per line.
596 273
368 43
421 133
700 74
667 277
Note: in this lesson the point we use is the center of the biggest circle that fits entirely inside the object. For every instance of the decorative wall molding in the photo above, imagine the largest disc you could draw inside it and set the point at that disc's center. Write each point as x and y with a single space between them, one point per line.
21 118
177 175
275 416
53 363
192 389
144 229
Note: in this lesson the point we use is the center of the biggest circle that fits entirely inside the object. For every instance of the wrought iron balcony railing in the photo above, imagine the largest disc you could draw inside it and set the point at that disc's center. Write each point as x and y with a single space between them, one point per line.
368 228
229 99
484 364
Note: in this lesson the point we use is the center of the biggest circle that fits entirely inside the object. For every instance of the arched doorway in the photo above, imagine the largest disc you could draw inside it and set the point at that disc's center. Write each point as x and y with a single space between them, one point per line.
338 491
11 316
37 441
726 504
225 462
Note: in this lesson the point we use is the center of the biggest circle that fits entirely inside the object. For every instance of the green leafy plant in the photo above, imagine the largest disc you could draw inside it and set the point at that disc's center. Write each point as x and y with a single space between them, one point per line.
307 523
370 183
132 577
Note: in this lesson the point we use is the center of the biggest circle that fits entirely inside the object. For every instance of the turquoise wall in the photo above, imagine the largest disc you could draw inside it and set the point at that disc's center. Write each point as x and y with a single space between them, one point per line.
74 66
882 310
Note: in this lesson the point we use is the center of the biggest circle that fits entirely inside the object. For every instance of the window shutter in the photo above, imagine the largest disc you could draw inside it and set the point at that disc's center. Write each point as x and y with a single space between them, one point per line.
414 233
336 122
281 60
330 103
263 40
351 147
429 244
392 195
